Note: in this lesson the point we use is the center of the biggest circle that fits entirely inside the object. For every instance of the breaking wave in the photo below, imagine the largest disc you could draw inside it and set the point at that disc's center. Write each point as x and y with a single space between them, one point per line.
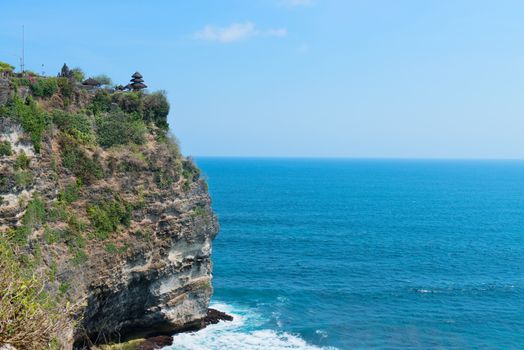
243 333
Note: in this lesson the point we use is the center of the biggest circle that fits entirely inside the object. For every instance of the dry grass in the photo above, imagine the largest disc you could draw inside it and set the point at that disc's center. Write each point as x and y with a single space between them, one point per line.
29 317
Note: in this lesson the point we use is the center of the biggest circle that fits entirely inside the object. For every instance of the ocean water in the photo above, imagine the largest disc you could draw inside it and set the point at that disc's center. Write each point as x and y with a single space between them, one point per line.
366 254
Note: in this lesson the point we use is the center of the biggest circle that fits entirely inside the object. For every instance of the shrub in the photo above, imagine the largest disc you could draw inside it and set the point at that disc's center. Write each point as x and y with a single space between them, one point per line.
77 74
156 109
106 215
75 158
30 318
164 179
44 87
119 129
22 161
129 102
5 148
23 178
190 170
79 256
65 86
100 103
34 215
111 248
69 194
6 67
33 120
77 125
52 236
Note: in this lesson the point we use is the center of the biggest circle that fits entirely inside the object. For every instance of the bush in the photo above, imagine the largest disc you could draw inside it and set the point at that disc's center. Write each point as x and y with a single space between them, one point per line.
65 86
111 248
75 124
23 178
6 67
33 120
22 161
156 109
77 74
119 129
70 194
129 102
44 87
100 103
75 158
34 215
5 148
107 215
30 318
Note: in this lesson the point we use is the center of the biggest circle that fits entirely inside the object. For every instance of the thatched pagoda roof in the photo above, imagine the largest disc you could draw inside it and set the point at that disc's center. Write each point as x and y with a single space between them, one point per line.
138 86
91 82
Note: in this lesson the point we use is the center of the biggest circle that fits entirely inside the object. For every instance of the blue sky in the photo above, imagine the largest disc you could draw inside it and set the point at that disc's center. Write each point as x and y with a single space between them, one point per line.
342 78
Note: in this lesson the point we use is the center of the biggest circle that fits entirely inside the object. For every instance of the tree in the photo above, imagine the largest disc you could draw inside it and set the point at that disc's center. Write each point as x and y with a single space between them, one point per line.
103 79
65 72
6 67
77 74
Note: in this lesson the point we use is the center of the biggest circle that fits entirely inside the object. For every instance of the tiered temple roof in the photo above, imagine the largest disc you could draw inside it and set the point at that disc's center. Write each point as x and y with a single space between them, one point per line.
137 83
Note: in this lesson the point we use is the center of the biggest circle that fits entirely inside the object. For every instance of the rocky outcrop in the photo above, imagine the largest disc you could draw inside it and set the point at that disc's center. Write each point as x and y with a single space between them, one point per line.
152 272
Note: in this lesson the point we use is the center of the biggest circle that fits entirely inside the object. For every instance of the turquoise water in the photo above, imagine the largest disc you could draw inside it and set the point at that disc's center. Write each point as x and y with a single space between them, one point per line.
366 254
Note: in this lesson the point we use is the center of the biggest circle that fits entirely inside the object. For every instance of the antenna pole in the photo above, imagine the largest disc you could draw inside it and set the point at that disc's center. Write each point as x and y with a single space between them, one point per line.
22 65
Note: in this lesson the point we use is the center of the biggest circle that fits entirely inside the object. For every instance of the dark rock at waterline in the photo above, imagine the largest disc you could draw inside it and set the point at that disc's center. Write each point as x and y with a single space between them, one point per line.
157 342
214 316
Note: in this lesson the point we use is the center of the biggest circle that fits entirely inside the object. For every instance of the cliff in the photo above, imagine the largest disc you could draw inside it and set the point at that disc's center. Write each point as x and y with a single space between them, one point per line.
100 215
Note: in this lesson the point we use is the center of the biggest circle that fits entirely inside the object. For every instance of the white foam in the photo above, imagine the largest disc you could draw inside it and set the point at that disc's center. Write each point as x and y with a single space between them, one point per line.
243 333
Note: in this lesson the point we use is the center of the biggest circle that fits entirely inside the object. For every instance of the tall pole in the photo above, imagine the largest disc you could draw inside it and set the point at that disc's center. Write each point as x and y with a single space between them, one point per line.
22 65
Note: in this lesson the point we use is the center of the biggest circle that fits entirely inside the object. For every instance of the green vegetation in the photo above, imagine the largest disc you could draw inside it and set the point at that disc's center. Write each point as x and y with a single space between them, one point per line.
120 128
156 109
23 178
129 102
107 215
70 194
44 87
75 158
6 67
63 288
34 215
78 125
5 148
34 121
198 211
22 161
77 74
111 248
190 173
100 103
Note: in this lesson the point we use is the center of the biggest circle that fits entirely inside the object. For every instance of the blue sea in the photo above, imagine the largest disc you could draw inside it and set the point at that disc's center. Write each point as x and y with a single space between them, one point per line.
366 254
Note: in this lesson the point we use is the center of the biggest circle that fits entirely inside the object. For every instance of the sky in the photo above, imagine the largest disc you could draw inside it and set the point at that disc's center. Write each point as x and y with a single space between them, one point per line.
301 78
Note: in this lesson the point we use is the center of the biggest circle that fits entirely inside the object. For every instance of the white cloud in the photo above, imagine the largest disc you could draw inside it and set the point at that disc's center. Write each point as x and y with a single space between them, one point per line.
280 32
294 3
236 32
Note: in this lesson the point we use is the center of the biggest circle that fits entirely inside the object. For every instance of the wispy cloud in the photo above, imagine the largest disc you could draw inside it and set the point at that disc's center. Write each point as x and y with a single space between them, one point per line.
236 32
295 3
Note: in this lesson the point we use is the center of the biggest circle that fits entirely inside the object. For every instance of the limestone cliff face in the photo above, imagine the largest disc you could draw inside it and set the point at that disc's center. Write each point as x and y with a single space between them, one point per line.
151 269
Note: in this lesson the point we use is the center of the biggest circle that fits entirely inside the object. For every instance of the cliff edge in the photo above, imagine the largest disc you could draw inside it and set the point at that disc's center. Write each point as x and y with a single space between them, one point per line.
105 228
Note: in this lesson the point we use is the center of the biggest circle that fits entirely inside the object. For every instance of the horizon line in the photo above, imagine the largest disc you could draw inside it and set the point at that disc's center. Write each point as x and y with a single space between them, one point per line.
354 158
